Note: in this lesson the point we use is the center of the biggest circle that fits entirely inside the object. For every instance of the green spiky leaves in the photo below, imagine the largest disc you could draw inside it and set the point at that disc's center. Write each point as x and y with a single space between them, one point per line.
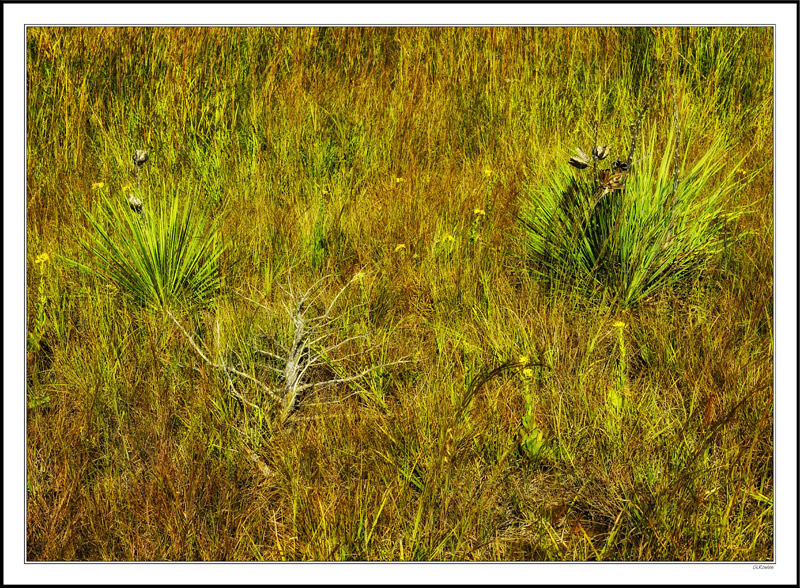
158 257
633 242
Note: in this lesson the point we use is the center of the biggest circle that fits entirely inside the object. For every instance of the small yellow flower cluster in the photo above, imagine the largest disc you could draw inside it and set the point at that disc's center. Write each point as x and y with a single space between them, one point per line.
619 325
479 212
448 238
398 180
97 185
400 247
527 372
487 171
41 258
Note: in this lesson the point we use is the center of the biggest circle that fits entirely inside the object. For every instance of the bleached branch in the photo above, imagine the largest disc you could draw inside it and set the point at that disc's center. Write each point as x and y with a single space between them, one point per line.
347 379
269 354
312 328
220 366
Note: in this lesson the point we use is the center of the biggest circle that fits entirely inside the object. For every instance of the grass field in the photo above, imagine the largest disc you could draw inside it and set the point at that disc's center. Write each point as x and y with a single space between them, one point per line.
471 376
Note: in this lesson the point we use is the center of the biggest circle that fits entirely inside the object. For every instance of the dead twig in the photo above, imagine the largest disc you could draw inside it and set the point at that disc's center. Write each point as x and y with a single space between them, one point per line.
313 344
224 368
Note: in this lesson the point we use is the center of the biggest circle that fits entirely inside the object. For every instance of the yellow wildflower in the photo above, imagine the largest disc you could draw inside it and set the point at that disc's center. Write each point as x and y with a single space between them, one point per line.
398 180
527 372
480 212
619 324
400 247
42 258
97 185
523 359
487 171
449 238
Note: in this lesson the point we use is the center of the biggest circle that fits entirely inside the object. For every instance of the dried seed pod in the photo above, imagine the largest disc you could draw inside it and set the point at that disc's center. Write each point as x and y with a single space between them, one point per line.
139 157
581 161
601 151
620 166
135 203
612 179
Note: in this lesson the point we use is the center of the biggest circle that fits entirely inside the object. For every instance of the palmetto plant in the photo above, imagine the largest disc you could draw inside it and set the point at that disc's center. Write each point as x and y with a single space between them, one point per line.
652 233
157 257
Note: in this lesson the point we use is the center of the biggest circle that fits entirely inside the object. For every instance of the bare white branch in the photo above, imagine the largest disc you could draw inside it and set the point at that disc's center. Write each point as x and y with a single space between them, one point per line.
352 378
267 353
269 367
222 367
251 300
313 326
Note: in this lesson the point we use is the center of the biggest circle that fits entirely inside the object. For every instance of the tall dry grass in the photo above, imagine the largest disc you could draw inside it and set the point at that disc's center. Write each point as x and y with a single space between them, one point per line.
528 426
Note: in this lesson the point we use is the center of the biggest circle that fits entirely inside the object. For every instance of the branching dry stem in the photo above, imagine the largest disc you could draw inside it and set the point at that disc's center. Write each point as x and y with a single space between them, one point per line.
307 349
222 367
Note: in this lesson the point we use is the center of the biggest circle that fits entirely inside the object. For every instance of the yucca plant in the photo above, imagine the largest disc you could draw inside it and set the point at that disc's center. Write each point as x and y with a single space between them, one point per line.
659 231
158 257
